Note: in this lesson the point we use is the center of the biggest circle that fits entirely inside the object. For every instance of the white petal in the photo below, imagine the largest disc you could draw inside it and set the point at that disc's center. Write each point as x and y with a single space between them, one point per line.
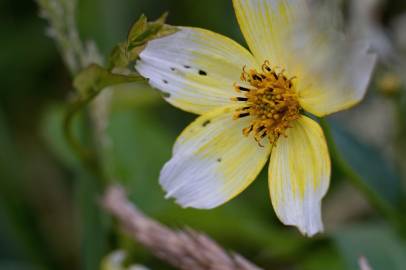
196 68
299 176
266 24
212 161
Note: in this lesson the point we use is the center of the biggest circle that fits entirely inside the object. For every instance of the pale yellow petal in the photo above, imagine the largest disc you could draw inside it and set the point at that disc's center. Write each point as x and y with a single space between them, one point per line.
195 68
332 68
212 161
265 25
336 78
299 176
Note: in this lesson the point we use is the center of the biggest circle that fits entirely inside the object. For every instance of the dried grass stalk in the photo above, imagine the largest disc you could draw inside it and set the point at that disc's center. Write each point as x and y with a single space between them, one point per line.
183 249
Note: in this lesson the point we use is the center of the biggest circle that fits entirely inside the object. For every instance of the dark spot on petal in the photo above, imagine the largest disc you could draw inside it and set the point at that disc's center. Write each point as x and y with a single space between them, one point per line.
186 66
165 94
202 72
219 160
165 81
205 123
172 68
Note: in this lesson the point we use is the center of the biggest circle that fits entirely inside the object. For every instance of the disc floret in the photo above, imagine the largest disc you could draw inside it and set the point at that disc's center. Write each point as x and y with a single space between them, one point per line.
270 100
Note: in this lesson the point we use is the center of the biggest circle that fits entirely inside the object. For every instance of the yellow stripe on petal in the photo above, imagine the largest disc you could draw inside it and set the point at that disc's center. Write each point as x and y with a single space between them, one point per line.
212 161
265 25
195 68
299 176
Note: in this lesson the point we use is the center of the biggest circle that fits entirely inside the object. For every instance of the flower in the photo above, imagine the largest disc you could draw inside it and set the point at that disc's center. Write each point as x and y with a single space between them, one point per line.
252 106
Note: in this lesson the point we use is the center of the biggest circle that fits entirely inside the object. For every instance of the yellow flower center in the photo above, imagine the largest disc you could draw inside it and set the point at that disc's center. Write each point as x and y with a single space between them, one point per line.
270 100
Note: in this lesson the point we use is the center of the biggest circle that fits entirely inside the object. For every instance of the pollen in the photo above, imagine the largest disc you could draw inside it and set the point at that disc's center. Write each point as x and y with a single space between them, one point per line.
269 98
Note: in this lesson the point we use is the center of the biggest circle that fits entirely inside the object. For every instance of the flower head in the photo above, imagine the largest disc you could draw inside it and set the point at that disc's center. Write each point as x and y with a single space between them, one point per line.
252 105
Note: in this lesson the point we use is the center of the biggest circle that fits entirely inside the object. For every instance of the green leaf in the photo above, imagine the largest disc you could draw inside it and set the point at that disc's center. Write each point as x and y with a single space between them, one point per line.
140 33
322 257
368 162
138 28
118 56
94 222
378 243
139 148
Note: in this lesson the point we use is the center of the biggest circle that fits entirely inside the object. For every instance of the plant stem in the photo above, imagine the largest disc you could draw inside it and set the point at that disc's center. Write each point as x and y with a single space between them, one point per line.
87 156
357 181
89 83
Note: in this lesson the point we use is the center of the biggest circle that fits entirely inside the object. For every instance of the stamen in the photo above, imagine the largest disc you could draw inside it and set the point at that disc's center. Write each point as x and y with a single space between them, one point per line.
243 89
271 102
241 99
243 115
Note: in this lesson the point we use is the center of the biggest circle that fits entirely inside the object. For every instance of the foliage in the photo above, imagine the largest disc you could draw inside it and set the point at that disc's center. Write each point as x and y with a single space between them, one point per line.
50 217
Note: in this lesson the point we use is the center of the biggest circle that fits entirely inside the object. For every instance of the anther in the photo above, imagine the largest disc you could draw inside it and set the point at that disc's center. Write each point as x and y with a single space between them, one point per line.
271 103
241 115
256 77
243 89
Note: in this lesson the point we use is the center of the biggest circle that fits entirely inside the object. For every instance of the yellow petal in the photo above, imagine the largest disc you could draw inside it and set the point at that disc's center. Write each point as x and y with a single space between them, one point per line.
265 24
299 176
336 78
195 68
332 69
212 161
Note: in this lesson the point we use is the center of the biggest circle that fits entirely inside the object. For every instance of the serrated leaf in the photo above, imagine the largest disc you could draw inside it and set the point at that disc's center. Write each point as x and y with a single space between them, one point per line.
138 28
118 56
142 32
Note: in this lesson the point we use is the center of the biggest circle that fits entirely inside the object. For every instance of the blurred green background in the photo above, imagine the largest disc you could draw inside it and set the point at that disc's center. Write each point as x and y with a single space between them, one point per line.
49 213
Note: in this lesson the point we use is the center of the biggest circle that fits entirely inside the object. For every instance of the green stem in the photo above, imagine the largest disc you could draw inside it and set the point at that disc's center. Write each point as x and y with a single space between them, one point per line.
357 181
89 83
87 156
400 143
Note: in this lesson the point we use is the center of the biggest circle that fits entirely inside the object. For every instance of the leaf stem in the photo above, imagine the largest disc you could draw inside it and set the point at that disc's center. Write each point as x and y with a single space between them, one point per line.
90 82
86 155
